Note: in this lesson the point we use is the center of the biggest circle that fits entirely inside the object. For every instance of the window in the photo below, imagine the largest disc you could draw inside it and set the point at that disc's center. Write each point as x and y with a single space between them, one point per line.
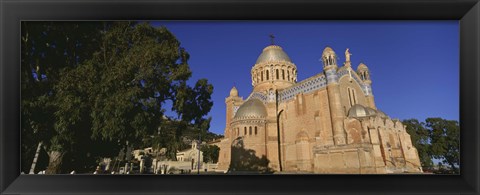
245 131
267 75
354 96
351 96
262 75
250 130
288 75
283 74
276 70
255 130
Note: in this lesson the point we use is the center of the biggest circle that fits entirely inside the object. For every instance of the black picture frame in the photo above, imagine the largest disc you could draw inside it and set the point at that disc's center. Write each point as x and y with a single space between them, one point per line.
14 11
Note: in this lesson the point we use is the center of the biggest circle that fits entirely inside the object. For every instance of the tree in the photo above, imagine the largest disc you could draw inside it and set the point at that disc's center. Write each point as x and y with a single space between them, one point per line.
120 94
420 136
243 159
210 153
47 49
445 141
436 138
88 88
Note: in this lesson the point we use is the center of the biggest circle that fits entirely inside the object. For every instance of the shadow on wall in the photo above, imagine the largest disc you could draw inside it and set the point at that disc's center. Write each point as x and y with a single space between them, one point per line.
245 161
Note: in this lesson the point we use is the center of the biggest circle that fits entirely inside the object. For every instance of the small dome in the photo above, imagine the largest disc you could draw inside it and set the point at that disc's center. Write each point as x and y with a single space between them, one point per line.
357 110
234 92
328 51
370 111
252 108
362 66
273 53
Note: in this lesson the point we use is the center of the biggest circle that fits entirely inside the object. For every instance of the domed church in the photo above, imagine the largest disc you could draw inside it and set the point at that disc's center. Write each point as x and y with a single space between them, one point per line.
327 123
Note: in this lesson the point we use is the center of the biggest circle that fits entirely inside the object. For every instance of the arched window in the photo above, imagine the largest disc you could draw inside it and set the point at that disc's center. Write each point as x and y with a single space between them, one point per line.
354 97
283 74
261 75
250 130
276 71
245 131
255 130
267 75
288 75
351 96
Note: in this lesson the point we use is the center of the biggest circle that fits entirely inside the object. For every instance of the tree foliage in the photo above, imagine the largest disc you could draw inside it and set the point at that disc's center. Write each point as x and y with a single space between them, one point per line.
210 153
436 138
110 88
47 49
420 136
445 141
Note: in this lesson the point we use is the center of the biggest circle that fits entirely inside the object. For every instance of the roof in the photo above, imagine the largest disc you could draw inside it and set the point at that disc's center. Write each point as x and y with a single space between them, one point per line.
359 111
273 53
253 108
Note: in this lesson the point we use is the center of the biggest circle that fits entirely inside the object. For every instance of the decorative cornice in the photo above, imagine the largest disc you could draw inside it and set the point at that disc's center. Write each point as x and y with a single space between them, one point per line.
306 86
258 95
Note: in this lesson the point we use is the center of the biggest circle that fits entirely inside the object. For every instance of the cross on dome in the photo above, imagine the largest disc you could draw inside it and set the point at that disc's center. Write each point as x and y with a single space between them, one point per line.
272 39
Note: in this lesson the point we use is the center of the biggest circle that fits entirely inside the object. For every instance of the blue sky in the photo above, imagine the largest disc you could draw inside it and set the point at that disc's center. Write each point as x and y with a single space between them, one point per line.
414 65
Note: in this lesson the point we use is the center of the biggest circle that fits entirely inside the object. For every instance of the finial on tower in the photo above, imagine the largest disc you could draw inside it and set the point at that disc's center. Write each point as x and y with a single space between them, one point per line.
233 92
272 39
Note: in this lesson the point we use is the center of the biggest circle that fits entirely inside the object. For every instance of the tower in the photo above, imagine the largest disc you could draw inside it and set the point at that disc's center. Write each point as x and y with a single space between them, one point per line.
329 59
364 73
273 70
232 103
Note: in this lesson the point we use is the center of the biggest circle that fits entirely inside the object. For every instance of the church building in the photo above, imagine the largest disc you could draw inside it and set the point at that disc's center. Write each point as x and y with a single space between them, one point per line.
327 123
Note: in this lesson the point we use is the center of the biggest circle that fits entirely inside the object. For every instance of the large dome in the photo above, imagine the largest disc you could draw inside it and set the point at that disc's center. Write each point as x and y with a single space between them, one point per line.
273 53
252 108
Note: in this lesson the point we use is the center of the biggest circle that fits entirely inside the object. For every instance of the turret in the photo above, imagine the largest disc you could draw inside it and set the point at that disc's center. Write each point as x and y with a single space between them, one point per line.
329 59
364 73
233 92
232 102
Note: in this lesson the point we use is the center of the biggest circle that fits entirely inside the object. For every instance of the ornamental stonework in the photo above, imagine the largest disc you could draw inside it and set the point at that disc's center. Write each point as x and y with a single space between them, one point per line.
327 123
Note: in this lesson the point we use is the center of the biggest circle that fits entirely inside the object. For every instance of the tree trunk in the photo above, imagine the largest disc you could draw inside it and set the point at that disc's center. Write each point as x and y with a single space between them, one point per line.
55 162
35 159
